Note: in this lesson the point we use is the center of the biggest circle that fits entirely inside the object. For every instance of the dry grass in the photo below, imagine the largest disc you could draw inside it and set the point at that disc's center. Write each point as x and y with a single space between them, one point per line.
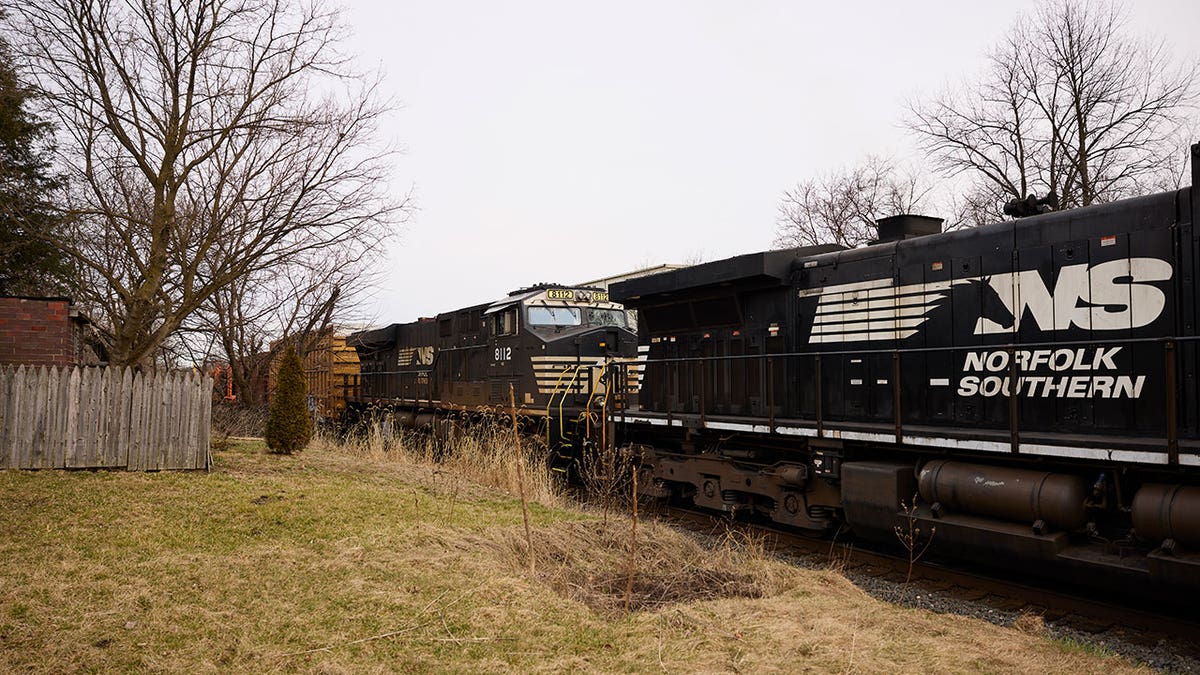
588 562
334 562
1029 623
482 453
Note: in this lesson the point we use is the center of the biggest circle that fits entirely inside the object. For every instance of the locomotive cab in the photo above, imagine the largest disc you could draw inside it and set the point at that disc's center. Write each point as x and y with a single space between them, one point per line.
549 344
552 343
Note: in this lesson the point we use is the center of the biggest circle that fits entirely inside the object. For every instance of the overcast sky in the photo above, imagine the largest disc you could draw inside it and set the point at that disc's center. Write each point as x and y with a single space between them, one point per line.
564 141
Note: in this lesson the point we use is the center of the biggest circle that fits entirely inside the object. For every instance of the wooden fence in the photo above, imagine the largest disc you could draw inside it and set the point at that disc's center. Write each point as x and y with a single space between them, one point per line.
103 418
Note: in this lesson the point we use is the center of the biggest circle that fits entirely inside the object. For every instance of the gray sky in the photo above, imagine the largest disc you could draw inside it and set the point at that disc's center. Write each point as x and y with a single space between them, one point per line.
564 141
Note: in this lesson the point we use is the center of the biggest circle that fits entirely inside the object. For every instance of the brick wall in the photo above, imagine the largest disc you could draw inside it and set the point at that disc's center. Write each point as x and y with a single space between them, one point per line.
36 331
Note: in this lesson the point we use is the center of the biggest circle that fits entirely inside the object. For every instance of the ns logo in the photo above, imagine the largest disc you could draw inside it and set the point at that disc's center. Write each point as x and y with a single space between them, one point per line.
1114 295
414 356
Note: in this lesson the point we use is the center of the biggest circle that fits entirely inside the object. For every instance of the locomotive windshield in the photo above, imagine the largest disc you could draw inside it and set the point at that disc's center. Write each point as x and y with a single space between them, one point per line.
605 317
563 316
546 315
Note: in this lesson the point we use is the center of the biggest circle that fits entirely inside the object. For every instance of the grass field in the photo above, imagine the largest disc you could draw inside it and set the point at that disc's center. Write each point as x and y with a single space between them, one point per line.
335 562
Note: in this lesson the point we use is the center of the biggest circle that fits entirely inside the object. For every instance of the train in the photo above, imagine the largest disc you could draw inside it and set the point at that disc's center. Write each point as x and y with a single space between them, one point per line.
544 350
1024 392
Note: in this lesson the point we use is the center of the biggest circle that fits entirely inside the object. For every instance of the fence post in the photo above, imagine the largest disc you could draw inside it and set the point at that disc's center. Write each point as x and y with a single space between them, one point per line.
6 416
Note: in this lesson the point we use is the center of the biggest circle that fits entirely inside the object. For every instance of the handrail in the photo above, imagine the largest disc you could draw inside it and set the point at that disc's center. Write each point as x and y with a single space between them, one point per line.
587 428
1170 368
550 401
585 416
608 387
563 399
935 350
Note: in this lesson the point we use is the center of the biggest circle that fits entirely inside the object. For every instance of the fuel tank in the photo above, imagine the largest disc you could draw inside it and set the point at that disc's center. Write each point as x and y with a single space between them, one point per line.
1017 495
1163 512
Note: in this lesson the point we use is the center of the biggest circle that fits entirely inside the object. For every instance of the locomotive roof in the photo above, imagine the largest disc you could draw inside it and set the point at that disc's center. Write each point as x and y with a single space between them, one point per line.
373 339
1126 215
380 338
524 294
767 268
755 270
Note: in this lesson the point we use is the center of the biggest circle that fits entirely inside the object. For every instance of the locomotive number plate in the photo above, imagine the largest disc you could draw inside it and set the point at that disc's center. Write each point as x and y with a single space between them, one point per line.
560 294
600 296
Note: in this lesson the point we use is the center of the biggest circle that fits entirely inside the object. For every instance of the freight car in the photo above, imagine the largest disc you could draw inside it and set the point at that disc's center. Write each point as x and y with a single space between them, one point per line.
330 368
1031 385
549 343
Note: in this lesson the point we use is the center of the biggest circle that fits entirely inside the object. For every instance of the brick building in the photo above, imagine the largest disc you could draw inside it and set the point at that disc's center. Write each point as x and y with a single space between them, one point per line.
44 332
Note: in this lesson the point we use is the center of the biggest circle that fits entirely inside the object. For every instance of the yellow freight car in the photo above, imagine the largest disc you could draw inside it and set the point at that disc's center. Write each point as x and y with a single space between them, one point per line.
330 369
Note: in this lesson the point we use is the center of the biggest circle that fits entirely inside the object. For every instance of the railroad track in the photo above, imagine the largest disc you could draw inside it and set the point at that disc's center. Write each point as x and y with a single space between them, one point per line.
1132 623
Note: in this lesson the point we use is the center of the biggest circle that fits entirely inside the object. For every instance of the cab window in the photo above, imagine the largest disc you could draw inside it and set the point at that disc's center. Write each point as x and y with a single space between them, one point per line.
605 317
546 315
505 322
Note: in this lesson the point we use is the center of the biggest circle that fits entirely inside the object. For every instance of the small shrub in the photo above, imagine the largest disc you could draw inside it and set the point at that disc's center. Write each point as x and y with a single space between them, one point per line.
289 427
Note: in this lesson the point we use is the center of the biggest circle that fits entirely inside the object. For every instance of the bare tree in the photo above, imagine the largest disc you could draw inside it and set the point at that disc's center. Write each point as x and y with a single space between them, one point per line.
207 143
1123 101
842 207
988 130
1069 104
253 319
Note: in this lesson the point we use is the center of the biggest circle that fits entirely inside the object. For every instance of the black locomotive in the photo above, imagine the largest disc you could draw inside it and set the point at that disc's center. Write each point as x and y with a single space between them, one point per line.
1031 384
546 346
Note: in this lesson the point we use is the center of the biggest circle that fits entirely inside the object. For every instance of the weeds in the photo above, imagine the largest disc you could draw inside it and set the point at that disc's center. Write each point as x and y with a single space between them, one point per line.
912 539
838 559
483 453
633 498
590 561
1030 623
1073 646
605 475
521 476
230 421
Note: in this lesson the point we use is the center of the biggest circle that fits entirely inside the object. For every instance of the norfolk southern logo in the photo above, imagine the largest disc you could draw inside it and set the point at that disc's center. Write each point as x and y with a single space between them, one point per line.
414 356
1114 295
1064 373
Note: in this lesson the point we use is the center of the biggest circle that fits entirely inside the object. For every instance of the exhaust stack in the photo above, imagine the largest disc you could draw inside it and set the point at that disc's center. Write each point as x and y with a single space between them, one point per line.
906 226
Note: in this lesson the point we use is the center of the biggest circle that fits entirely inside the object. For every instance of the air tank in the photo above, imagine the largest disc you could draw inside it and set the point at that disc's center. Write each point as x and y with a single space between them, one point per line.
1163 512
1017 495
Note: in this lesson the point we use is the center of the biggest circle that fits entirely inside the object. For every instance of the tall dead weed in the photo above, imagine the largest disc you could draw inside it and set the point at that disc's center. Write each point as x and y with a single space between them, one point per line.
483 452
589 561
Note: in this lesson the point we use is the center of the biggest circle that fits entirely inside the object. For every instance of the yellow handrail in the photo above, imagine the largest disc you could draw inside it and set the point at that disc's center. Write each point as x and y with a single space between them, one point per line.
586 416
550 402
561 431
604 407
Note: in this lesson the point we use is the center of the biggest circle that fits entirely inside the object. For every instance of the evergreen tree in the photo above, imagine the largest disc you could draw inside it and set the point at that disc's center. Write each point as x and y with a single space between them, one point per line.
29 262
289 426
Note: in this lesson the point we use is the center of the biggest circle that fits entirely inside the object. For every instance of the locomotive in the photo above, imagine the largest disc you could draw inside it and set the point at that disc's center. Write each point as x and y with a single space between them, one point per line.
544 348
1025 390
